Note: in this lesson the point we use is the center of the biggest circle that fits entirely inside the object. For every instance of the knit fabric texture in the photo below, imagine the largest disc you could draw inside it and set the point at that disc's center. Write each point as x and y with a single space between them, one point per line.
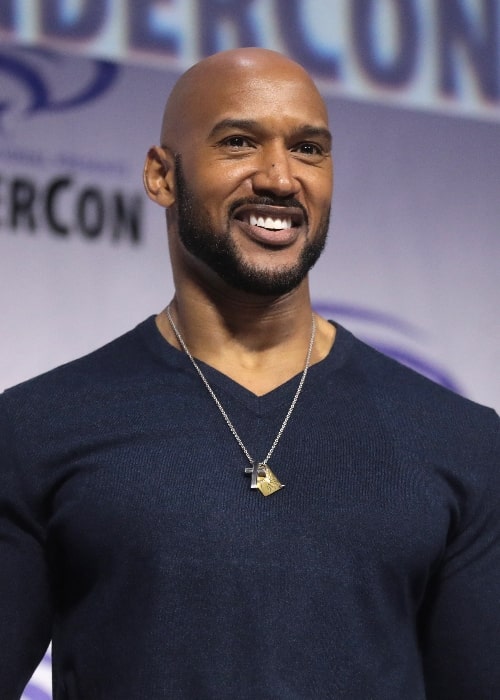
129 534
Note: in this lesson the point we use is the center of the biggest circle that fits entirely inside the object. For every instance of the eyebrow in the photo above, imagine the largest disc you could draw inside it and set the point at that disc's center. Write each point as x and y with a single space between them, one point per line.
238 124
304 130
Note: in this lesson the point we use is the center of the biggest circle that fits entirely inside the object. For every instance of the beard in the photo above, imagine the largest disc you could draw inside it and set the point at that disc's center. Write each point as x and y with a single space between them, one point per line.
219 252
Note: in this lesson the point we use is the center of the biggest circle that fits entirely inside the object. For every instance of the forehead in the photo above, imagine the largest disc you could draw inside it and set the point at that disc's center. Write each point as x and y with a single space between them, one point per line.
275 98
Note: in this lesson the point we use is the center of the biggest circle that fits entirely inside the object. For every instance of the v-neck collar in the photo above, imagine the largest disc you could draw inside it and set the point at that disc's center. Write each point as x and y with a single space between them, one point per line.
221 383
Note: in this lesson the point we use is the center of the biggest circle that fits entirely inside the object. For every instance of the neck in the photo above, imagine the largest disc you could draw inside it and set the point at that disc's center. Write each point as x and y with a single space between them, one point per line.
258 342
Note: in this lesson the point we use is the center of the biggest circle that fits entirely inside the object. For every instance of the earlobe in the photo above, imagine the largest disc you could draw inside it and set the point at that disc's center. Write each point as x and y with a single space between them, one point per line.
158 176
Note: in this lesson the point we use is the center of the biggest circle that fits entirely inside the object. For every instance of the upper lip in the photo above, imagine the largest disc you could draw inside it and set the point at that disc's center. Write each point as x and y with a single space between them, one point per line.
295 214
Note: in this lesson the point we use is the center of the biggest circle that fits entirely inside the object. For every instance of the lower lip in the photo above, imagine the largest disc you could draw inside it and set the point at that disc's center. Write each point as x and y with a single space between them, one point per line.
276 238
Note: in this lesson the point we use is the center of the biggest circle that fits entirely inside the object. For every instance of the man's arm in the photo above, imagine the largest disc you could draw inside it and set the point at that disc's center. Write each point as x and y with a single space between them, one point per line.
25 601
461 621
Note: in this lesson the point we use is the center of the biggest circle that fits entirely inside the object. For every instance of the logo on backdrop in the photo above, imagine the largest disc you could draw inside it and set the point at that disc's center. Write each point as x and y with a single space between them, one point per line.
36 72
50 187
391 335
433 54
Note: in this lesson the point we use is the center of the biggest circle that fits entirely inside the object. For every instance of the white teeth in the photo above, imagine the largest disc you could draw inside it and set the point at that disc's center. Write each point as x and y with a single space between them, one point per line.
270 223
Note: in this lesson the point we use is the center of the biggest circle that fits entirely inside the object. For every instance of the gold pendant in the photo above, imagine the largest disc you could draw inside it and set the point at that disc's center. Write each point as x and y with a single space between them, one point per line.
269 483
263 479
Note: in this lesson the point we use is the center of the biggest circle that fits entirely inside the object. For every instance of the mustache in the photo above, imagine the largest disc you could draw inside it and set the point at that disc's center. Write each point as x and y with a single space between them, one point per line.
269 201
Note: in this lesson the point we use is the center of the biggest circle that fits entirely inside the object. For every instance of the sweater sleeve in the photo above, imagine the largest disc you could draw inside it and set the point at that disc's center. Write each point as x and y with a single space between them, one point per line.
25 601
461 637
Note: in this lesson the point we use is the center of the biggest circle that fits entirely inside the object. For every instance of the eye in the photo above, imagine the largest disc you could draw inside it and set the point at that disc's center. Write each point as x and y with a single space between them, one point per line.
236 142
308 149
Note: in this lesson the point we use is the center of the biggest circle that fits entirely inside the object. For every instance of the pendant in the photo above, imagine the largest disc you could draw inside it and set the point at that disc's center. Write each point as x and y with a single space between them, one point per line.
263 479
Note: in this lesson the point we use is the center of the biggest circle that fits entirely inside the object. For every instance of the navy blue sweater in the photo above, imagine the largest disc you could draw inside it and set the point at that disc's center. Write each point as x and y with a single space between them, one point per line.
130 536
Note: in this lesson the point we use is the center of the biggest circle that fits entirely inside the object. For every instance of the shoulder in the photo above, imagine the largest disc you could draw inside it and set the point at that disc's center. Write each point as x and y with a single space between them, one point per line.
408 397
50 417
73 382
445 441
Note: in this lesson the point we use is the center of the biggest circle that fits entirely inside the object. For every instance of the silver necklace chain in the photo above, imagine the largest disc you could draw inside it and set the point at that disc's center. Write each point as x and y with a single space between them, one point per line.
221 408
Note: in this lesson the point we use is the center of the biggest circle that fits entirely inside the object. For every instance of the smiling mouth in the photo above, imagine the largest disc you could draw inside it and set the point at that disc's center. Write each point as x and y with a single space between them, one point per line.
268 222
271 227
270 218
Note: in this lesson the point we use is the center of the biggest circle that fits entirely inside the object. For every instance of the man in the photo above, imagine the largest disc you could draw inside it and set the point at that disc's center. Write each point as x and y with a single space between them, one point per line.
238 499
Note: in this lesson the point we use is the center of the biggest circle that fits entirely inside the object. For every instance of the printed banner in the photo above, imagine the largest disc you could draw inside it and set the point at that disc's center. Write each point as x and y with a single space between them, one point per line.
425 54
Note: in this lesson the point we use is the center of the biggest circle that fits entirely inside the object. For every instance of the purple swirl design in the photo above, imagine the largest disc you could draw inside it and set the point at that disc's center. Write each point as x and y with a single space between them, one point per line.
397 350
25 67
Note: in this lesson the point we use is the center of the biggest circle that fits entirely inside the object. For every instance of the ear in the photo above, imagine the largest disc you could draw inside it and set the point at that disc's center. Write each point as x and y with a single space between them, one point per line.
158 176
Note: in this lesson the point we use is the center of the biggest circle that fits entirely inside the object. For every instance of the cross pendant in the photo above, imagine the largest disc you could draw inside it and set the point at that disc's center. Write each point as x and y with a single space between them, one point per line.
257 469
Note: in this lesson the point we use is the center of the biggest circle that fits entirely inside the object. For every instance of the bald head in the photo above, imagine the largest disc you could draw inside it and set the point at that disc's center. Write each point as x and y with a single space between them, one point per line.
219 77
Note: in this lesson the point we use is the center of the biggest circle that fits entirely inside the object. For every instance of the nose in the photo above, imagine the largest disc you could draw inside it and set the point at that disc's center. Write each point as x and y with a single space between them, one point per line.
274 173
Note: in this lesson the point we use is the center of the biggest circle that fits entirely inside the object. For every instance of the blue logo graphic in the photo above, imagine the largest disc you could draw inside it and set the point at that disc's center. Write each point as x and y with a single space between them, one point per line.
33 70
376 327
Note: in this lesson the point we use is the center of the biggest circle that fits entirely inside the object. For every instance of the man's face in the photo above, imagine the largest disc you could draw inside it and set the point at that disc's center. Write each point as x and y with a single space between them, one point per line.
254 180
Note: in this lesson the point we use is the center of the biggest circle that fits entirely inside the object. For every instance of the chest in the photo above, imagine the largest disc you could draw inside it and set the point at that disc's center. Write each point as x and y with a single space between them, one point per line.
169 493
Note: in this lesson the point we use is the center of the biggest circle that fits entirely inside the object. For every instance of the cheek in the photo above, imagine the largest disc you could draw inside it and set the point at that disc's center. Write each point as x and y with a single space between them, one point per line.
320 193
219 178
